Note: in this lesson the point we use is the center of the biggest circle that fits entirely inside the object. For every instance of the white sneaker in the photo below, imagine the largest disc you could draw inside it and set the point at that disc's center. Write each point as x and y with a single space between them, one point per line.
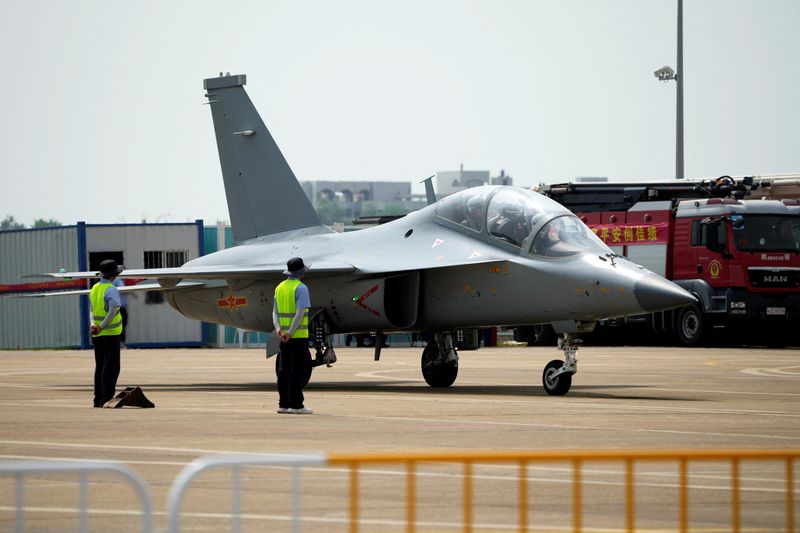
301 411
282 410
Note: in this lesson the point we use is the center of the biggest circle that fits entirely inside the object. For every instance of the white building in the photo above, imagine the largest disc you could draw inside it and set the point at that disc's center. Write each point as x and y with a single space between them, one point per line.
452 181
63 321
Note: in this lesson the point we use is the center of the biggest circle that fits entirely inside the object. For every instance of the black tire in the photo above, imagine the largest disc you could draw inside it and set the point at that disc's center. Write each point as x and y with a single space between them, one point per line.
543 335
559 385
690 330
308 376
437 373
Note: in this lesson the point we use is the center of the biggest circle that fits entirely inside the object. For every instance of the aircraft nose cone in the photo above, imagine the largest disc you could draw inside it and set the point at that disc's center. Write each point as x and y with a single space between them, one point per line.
655 293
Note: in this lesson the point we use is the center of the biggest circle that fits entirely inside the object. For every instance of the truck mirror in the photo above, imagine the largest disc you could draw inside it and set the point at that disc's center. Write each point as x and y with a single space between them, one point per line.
738 222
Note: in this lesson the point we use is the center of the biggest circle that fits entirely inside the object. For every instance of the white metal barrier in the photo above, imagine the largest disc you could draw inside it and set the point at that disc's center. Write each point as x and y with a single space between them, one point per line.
235 464
24 468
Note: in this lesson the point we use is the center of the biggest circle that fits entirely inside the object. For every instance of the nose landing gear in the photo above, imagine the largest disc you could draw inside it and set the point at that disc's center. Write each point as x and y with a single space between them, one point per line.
557 375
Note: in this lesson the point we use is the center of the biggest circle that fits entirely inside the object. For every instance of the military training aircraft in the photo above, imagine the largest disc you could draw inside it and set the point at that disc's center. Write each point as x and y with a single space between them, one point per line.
486 256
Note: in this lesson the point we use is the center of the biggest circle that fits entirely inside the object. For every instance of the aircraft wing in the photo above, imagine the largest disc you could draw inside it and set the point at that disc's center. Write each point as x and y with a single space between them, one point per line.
127 289
444 253
209 272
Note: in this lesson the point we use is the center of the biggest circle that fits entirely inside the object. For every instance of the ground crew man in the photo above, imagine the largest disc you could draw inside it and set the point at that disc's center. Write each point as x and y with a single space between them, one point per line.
290 318
106 329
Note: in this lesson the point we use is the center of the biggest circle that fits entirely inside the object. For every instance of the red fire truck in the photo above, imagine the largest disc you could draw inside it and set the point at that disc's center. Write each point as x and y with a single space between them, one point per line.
739 256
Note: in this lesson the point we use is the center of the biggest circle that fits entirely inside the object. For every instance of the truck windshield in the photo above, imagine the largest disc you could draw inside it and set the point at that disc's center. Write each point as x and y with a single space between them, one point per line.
766 233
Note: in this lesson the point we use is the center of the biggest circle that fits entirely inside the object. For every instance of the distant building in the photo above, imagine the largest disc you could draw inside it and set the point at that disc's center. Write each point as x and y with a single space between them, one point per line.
451 181
353 199
354 196
356 191
591 179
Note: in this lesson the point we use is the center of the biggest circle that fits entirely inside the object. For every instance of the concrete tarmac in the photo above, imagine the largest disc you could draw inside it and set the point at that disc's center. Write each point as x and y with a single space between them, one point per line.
223 402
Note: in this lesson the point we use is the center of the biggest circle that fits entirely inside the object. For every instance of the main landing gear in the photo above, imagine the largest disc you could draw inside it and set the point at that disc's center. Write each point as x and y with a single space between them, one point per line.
320 332
440 361
557 375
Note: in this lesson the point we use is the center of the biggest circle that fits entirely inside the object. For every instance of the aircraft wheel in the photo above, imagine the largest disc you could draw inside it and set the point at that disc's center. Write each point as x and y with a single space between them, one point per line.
691 326
437 372
556 385
307 377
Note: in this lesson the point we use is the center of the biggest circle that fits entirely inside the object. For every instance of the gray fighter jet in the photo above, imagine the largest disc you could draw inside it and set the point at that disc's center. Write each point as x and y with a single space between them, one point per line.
486 256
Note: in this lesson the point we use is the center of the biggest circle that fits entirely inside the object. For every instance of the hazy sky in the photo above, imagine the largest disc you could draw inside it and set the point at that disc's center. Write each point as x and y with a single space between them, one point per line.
103 118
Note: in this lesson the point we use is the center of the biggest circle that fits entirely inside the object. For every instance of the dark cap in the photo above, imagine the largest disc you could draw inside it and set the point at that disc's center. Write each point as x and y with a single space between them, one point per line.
295 267
109 268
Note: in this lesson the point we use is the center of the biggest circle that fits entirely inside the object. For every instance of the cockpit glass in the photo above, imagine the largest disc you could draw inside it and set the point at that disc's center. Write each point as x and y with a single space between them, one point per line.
518 217
512 214
564 236
766 233
465 208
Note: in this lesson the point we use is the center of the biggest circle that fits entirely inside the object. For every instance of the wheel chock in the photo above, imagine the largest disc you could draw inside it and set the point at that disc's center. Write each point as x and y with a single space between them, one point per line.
130 397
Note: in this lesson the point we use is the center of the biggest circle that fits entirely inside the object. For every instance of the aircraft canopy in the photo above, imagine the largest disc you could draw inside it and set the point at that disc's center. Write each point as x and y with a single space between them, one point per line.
522 218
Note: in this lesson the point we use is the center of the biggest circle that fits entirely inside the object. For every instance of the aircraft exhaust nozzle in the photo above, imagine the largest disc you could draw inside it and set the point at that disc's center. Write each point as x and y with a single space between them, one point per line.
655 293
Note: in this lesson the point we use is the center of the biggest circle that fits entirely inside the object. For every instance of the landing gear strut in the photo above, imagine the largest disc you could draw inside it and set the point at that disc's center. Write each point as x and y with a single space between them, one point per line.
319 330
440 361
557 375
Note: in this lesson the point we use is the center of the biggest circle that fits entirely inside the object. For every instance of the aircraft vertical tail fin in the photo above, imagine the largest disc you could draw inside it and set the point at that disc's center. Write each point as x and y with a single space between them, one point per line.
263 194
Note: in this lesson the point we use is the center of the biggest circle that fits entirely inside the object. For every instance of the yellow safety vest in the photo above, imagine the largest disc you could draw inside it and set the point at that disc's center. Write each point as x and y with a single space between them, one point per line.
99 310
287 307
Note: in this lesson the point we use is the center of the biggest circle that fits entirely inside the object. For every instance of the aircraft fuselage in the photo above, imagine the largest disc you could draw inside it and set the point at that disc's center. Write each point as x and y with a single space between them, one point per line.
489 282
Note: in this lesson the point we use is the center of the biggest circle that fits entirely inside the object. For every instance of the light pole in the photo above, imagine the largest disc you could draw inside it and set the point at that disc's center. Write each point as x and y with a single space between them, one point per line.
666 74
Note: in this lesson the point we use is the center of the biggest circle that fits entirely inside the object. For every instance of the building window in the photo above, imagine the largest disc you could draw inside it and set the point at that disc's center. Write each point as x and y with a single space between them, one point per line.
162 259
175 258
153 259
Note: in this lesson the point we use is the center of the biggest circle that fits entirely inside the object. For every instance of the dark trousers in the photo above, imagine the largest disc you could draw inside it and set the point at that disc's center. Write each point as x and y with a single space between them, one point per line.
106 367
294 365
123 312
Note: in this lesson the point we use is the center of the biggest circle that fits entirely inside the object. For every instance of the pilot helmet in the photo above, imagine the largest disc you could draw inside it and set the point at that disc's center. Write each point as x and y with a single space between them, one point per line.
475 205
536 218
511 211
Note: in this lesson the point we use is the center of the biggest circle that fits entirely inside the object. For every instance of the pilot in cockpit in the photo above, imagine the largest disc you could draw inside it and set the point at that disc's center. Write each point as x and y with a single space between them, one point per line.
510 225
474 218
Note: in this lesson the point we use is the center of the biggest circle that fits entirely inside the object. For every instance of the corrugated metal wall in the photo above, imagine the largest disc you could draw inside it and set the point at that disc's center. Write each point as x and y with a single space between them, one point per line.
150 323
38 322
58 321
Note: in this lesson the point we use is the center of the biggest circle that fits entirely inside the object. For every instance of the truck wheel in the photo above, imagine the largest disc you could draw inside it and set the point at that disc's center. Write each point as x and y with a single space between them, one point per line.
691 326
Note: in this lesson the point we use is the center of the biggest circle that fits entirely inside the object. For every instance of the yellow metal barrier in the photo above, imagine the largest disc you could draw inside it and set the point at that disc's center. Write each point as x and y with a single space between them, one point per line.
577 459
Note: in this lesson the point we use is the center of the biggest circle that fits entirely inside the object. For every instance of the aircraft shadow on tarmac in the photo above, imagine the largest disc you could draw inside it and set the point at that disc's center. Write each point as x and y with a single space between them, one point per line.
415 387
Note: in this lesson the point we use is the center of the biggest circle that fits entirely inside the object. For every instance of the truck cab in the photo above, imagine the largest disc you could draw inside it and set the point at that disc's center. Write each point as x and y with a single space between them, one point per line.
741 258
738 254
